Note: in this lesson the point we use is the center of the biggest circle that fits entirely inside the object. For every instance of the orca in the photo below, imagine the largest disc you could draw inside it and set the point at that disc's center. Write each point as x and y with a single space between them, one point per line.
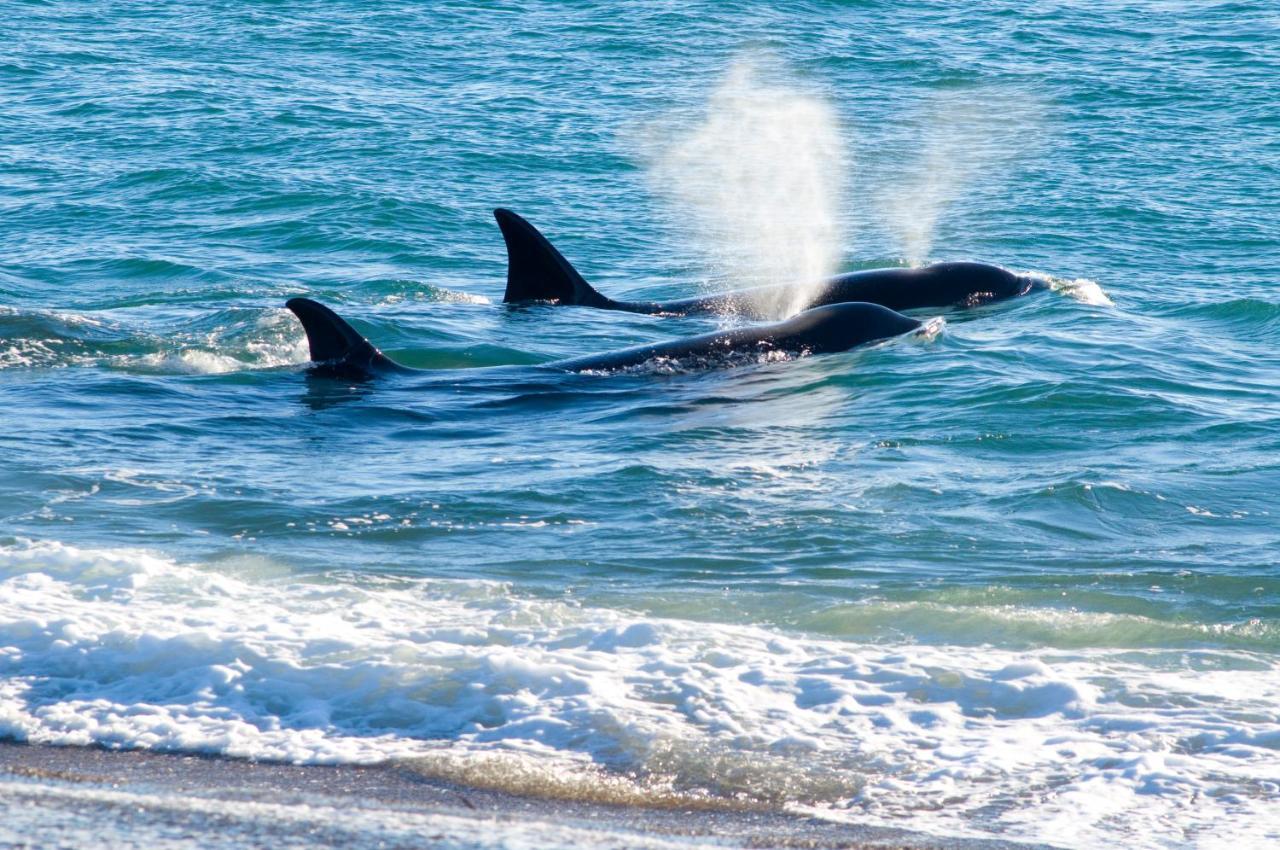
536 271
339 350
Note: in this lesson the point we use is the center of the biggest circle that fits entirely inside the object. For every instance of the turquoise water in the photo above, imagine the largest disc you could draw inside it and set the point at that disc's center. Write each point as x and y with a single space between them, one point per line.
1016 578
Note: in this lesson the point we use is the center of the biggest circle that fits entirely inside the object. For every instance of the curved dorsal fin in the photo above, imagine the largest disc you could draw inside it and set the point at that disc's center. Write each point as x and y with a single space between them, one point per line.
335 342
536 271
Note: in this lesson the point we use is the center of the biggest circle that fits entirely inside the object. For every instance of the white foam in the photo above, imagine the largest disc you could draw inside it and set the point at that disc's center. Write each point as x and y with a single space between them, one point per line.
60 316
437 294
273 339
29 353
1135 748
1081 289
189 361
931 329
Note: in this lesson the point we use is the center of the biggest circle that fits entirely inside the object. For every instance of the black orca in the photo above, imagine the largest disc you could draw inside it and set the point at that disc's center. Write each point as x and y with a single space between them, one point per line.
338 350
536 271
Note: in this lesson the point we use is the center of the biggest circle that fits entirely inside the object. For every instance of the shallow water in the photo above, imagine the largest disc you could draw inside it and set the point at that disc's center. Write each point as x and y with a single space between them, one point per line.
1015 578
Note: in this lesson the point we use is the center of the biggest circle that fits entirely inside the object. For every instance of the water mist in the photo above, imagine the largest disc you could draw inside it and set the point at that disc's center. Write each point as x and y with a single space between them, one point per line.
964 136
761 169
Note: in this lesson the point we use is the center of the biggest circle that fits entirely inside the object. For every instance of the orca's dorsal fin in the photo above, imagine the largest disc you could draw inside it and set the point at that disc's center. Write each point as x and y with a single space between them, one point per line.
536 271
333 341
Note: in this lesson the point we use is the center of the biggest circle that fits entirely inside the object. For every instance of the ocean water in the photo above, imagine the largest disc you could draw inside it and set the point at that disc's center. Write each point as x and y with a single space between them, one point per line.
1014 578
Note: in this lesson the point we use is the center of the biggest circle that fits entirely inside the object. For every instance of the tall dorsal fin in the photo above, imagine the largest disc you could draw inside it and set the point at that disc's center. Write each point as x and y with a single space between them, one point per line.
536 271
334 342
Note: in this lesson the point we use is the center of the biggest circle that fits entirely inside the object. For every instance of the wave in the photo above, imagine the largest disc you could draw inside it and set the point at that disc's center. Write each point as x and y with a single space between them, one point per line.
1247 318
395 291
1081 289
469 681
227 340
1010 616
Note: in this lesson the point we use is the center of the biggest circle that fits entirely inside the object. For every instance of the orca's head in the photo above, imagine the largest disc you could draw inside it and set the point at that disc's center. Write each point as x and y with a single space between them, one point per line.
979 283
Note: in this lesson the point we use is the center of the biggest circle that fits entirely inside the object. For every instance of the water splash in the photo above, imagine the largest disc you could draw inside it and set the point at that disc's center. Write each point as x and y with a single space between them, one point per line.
761 169
225 341
931 329
1081 289
964 135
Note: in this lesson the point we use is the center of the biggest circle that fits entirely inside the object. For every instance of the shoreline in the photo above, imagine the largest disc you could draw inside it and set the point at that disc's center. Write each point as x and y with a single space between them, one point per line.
53 795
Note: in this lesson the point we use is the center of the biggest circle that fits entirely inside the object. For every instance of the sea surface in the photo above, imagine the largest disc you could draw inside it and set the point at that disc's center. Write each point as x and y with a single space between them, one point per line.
1012 578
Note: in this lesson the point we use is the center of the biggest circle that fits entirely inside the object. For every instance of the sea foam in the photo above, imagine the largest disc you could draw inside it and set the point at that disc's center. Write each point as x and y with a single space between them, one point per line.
468 680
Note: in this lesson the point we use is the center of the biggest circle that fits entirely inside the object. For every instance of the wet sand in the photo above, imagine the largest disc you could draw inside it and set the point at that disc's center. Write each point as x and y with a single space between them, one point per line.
86 797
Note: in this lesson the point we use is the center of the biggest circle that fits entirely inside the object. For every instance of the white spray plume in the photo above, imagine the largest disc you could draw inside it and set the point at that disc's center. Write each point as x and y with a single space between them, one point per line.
761 169
964 135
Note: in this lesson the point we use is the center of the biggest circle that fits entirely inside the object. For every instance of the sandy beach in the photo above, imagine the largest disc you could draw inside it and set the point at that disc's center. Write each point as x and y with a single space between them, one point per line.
73 796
